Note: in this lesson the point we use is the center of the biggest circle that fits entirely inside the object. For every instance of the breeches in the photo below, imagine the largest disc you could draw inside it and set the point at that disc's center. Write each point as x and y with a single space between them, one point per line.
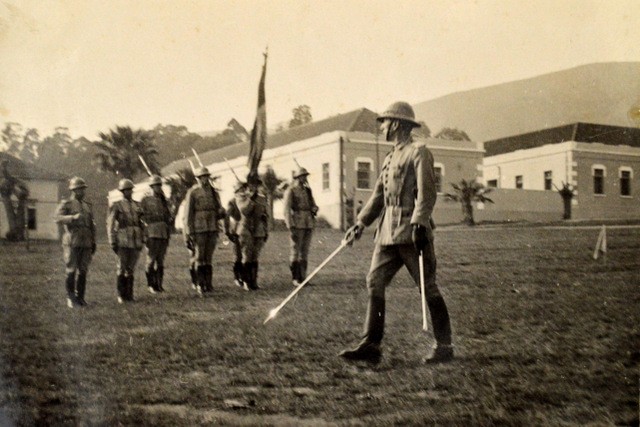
156 250
300 241
127 260
251 247
76 259
205 244
387 260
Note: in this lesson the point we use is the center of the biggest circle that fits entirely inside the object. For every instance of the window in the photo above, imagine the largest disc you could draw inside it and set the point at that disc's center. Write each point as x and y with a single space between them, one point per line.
325 176
492 183
625 181
363 175
598 180
439 172
547 180
32 223
518 181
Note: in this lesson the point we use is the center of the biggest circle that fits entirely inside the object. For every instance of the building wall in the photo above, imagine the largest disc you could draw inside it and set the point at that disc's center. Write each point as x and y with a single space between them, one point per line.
520 205
44 197
611 204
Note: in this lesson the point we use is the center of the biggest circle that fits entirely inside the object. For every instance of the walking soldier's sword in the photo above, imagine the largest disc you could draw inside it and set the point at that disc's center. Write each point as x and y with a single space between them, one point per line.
275 311
423 292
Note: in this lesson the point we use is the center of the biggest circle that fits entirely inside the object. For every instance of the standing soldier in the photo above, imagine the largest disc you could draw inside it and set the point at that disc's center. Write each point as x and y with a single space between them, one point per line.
253 229
158 222
231 229
78 241
300 211
202 211
402 201
124 228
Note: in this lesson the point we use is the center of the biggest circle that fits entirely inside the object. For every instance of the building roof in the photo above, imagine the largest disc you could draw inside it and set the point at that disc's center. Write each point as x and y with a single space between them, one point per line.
21 170
578 132
362 120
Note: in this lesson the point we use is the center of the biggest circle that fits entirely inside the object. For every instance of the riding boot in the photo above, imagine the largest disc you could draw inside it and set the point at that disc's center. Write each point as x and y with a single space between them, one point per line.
247 275
303 270
159 278
201 282
121 287
151 280
254 276
237 273
194 276
130 288
441 330
369 348
295 273
70 285
81 286
209 277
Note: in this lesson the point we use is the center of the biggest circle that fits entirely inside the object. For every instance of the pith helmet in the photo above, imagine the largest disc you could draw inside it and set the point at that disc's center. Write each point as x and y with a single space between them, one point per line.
301 172
76 182
202 172
400 110
155 180
125 184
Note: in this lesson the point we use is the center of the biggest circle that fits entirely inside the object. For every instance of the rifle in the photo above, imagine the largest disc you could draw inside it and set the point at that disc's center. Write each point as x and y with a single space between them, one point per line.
197 157
145 165
232 171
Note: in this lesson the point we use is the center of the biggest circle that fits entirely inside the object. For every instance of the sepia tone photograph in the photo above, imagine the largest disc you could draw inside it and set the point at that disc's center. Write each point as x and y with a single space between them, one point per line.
305 213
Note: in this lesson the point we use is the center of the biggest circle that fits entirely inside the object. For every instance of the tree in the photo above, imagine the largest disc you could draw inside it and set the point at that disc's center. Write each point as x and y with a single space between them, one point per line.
23 145
467 192
118 151
274 186
301 115
567 194
453 134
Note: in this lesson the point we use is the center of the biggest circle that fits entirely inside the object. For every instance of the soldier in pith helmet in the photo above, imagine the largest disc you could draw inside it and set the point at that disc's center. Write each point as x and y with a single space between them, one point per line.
158 221
300 211
125 232
202 212
402 202
75 214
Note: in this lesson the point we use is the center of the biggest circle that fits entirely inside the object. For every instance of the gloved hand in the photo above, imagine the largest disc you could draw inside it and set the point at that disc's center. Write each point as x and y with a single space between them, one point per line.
353 233
419 237
93 248
114 247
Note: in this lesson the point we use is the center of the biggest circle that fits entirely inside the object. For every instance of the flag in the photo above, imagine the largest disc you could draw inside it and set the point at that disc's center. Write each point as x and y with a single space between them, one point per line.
259 131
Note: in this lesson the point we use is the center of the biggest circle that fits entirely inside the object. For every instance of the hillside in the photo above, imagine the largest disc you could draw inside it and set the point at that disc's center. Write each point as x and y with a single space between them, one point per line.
599 93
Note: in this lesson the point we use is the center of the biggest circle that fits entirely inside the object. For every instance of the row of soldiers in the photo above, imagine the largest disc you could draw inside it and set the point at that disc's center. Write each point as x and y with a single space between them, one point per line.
131 225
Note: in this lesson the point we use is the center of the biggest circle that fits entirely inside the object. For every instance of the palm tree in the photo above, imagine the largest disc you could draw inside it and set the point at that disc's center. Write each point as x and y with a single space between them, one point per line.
467 192
119 150
567 194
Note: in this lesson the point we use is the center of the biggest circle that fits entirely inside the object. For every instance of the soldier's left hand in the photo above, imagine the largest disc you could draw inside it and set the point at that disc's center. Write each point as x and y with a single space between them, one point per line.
420 237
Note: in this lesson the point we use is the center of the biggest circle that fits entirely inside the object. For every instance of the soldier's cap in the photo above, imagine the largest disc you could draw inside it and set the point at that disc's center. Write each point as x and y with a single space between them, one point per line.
155 180
125 184
401 111
77 182
202 172
301 172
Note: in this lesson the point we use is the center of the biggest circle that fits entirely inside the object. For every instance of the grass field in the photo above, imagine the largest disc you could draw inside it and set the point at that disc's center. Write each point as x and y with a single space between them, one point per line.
544 335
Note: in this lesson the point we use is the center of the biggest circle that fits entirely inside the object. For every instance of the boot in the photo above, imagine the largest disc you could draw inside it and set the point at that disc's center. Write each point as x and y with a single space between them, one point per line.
70 285
80 288
295 273
159 278
302 275
368 349
209 277
237 273
201 283
194 277
151 282
130 288
254 276
441 330
121 288
247 276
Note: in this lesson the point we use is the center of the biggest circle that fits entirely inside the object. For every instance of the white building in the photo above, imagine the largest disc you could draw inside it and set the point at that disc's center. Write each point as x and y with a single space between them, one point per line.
600 162
45 192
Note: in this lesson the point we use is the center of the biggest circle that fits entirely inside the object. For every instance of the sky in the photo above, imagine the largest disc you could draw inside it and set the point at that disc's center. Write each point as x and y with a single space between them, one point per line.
91 65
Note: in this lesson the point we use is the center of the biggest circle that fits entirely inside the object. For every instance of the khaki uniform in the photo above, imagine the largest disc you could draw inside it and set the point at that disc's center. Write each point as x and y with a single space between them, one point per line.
253 231
299 215
78 243
158 222
125 232
202 212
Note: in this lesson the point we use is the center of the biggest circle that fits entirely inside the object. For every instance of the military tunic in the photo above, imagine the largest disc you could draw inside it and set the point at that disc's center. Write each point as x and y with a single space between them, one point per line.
79 234
404 195
202 212
125 231
158 221
299 215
